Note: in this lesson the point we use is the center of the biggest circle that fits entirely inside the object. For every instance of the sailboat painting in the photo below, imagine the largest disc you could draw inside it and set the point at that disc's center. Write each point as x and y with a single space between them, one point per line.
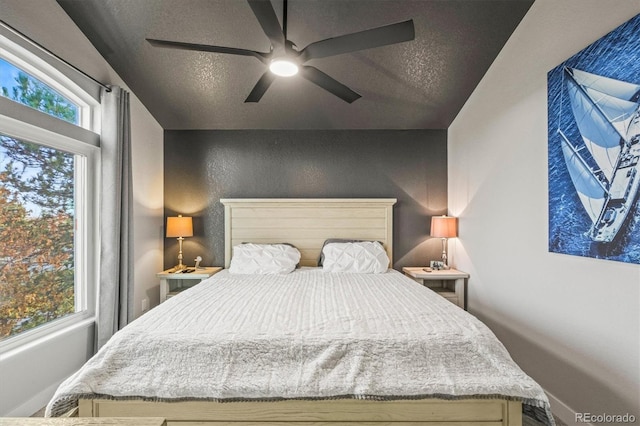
594 149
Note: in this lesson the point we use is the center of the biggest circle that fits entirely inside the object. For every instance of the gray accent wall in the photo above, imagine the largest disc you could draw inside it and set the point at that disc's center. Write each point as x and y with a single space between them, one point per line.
201 167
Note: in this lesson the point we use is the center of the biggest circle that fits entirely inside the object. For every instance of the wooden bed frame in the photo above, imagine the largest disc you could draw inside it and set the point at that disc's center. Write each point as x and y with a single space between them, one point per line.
306 223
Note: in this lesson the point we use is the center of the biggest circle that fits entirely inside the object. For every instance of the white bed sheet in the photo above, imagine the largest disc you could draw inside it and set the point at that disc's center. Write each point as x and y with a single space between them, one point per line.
308 334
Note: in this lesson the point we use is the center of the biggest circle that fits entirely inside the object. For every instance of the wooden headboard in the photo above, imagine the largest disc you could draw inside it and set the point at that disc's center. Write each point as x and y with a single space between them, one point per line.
307 222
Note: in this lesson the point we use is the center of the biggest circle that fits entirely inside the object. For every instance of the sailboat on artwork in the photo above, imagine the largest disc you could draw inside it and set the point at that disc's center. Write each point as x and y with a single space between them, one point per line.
604 167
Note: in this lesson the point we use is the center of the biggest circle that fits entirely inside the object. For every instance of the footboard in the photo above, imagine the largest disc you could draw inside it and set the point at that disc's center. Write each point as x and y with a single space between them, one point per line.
492 412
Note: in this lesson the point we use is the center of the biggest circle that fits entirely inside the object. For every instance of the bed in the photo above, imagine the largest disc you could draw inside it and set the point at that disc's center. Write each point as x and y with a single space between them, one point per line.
298 362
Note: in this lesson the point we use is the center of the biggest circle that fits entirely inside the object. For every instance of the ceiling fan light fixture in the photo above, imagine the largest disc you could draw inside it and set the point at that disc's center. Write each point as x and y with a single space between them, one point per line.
285 59
283 67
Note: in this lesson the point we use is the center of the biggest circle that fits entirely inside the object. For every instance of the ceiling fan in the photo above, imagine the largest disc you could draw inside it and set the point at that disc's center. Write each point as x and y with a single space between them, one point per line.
285 60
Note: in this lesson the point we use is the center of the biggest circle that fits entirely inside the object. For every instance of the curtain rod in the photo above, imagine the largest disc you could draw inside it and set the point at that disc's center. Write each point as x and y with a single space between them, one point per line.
50 53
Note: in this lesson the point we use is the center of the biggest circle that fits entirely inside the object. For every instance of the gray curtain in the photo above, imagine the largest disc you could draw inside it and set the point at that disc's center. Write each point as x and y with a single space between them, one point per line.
115 295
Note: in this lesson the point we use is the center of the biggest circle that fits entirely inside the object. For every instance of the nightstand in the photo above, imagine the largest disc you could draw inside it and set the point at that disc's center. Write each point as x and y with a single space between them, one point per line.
449 283
172 283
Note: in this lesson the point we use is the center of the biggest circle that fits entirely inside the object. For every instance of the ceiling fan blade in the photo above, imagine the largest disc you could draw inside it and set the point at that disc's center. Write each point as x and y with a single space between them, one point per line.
268 20
207 48
261 87
329 84
367 39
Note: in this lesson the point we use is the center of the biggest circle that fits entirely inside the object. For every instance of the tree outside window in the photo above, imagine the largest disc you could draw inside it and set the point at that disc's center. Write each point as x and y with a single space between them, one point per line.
36 218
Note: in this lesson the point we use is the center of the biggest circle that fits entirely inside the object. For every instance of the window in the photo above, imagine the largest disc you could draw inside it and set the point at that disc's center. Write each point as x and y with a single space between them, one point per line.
37 213
21 87
47 199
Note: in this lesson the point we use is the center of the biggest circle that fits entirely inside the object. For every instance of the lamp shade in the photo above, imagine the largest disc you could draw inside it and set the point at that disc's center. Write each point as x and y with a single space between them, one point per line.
444 226
179 226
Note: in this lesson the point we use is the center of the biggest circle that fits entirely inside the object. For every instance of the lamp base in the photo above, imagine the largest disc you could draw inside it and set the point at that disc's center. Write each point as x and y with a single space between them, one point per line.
445 263
180 266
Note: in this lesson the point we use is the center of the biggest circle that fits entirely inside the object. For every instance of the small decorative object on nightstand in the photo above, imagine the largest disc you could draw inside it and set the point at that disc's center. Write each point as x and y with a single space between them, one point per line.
173 282
448 283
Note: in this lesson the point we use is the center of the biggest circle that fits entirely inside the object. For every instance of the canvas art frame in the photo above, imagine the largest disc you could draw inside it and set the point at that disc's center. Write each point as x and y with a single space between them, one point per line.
594 149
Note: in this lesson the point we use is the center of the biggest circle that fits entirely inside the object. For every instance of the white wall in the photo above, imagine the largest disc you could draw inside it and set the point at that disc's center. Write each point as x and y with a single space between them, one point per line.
29 376
572 323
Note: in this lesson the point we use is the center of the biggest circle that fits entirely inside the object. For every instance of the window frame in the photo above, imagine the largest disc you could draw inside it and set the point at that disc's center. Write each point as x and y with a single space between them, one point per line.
25 123
49 75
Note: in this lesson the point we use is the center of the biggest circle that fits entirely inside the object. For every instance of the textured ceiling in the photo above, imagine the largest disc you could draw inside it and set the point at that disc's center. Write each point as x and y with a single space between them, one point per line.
421 84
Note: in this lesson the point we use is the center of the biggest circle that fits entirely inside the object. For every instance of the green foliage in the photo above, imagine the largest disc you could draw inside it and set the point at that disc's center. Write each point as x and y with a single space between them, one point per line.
36 247
42 176
36 267
38 95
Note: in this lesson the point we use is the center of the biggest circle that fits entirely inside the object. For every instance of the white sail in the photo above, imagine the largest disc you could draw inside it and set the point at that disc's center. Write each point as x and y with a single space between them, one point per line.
617 88
590 190
600 136
618 111
606 112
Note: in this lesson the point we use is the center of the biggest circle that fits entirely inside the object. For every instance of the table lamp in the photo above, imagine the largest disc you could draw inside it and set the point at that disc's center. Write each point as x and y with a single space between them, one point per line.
444 227
179 227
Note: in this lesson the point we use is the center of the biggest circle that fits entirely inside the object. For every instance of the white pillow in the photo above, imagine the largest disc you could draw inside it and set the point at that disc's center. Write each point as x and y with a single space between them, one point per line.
264 259
368 257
